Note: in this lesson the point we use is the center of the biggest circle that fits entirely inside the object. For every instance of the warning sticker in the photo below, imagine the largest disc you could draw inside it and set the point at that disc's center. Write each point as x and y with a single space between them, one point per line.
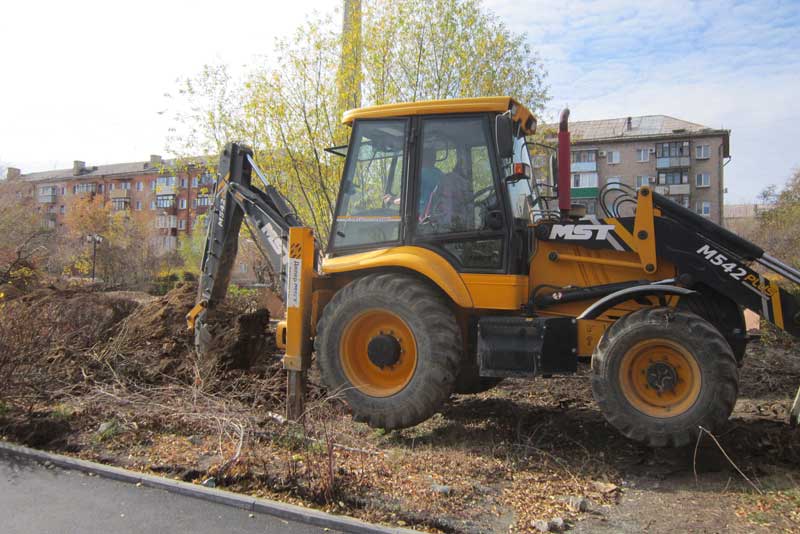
293 283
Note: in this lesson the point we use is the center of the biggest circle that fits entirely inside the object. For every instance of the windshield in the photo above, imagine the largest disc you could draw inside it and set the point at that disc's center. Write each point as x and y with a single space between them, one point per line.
519 192
369 205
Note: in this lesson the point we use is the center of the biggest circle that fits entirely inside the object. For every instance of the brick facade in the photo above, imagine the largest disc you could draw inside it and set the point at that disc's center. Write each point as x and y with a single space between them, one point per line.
169 194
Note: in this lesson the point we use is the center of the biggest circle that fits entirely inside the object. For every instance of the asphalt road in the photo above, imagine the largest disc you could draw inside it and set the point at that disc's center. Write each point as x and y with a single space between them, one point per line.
41 500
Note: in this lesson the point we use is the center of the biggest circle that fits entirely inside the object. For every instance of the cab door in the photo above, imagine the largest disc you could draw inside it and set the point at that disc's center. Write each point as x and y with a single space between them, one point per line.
455 207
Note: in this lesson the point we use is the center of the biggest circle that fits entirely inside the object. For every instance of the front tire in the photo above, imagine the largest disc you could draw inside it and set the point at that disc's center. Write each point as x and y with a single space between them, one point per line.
390 346
659 374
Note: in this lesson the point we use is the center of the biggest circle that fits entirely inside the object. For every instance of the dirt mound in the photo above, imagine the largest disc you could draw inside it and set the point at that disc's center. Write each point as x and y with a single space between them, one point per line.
51 320
154 342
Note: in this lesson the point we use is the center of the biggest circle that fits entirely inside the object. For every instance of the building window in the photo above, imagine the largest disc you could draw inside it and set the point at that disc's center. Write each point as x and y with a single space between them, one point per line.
194 203
63 191
613 157
702 151
182 224
642 154
205 200
152 204
84 188
139 186
613 182
120 204
165 201
242 267
195 181
183 203
62 210
672 150
152 185
642 181
672 178
125 186
579 180
702 179
183 182
704 208
583 156
139 204
111 186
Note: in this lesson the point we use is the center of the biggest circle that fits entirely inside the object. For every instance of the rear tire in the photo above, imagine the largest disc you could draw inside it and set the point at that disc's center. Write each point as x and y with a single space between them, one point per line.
658 374
418 375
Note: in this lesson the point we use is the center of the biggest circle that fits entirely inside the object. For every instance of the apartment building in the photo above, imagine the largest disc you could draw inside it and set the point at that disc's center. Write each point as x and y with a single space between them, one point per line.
679 159
170 193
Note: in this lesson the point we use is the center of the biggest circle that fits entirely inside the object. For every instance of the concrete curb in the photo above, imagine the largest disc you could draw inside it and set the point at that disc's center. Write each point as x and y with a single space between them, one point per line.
288 512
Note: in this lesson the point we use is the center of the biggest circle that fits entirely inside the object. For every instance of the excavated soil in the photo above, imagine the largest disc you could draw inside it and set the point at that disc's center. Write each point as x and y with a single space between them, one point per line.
65 333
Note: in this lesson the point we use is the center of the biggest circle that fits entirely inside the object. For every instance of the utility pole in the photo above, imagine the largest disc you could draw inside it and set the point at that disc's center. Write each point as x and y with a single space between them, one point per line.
94 239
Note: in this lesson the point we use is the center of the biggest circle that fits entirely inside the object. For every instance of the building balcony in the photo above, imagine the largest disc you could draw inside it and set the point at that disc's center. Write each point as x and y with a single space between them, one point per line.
166 222
47 198
584 166
166 190
120 194
680 189
584 192
671 163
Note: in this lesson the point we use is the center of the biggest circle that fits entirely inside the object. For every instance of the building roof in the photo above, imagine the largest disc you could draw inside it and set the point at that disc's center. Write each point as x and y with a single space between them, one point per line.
642 127
486 104
632 127
109 170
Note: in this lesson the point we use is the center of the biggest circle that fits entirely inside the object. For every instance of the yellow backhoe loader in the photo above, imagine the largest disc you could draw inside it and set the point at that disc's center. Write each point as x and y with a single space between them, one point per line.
452 265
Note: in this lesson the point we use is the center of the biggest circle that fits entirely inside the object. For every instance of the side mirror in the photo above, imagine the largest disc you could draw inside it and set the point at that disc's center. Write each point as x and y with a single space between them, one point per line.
504 136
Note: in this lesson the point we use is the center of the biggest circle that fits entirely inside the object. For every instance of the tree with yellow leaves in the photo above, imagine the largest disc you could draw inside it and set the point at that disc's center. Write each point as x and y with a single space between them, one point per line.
291 109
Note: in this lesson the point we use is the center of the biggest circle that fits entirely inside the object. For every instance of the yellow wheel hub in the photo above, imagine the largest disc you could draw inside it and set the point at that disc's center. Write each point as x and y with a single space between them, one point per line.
378 353
660 378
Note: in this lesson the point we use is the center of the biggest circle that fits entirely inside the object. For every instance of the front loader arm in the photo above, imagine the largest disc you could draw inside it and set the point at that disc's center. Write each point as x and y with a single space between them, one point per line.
706 253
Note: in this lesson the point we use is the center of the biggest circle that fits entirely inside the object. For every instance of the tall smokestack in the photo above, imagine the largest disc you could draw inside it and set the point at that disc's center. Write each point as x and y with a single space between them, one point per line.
349 76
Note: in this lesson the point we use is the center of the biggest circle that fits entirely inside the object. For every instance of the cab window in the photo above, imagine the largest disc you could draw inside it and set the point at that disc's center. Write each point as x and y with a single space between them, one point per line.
456 203
370 200
456 182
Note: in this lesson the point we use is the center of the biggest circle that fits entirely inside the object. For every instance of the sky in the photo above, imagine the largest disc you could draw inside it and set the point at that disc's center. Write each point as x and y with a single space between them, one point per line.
87 80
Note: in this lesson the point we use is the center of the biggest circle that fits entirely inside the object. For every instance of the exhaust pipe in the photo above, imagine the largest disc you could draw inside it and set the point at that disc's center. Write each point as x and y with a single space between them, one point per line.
564 160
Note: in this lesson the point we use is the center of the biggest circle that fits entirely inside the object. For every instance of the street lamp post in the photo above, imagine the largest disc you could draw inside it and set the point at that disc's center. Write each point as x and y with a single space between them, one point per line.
94 239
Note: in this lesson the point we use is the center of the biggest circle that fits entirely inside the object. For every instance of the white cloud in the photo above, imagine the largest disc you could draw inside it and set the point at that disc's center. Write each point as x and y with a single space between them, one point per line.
85 80
720 64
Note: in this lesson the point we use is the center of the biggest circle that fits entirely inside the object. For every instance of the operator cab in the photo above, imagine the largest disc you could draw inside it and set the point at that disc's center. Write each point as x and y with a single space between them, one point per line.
451 176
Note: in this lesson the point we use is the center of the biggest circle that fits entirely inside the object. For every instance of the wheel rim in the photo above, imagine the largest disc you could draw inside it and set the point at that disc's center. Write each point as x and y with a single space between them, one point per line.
378 352
660 378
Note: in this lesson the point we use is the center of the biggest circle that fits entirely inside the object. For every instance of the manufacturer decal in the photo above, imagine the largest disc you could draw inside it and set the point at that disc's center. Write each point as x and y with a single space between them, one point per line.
736 271
293 283
581 232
